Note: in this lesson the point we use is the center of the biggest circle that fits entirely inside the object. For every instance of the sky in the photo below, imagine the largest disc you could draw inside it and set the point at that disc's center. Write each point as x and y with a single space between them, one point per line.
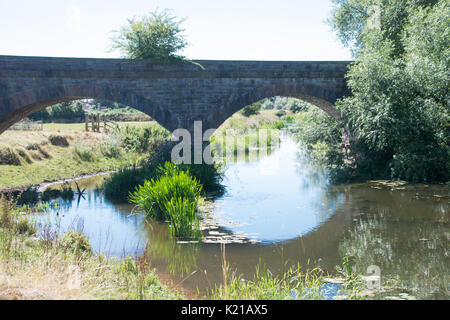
216 30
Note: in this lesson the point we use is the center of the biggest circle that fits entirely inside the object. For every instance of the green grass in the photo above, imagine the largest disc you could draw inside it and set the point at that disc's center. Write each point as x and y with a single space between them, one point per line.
59 266
65 150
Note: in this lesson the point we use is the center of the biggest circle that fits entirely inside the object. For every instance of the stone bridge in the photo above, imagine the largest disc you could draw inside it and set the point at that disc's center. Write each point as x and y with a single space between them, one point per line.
175 95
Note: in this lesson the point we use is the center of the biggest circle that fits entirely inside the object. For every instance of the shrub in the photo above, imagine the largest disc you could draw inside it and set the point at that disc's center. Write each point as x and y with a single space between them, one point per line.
279 125
29 196
58 140
76 242
119 185
111 146
157 36
280 113
208 175
83 153
251 109
142 139
290 119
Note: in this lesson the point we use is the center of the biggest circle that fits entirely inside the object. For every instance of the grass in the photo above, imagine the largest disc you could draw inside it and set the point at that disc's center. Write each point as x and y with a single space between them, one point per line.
65 150
264 119
64 267
298 284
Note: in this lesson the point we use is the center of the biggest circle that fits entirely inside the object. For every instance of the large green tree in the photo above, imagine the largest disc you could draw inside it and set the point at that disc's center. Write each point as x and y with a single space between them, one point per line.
399 81
156 35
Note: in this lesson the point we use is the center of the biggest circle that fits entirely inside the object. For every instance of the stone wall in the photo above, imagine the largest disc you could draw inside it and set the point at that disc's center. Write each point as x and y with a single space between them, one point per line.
173 94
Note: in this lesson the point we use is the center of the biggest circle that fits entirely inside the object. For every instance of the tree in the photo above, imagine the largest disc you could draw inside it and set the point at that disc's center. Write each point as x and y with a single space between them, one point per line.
155 36
399 108
351 19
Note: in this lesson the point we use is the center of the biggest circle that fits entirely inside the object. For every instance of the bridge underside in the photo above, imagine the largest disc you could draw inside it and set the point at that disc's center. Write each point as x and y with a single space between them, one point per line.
175 95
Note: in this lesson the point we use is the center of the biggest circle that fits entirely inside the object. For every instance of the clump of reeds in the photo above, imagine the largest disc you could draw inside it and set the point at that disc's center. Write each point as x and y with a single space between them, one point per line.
173 196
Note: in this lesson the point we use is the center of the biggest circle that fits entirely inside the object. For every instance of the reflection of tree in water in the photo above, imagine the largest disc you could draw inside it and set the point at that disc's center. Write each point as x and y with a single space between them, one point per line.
416 252
181 259
312 176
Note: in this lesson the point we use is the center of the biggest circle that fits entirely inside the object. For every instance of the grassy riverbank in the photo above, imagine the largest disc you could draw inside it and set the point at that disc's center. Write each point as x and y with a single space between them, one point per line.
62 151
36 262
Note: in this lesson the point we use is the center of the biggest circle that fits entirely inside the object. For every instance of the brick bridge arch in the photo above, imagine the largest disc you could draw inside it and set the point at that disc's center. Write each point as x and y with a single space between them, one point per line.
175 95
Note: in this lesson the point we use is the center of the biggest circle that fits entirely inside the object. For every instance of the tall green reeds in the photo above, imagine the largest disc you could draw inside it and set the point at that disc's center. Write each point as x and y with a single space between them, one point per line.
172 197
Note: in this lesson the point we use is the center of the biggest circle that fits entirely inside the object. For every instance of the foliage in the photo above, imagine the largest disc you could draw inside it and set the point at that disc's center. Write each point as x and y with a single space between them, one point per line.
183 218
29 196
208 175
154 194
118 186
9 157
65 111
76 242
351 19
156 36
83 153
142 139
285 103
58 140
279 125
316 126
399 108
251 109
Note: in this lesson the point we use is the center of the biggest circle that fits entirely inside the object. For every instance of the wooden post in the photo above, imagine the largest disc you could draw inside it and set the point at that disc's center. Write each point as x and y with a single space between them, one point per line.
86 120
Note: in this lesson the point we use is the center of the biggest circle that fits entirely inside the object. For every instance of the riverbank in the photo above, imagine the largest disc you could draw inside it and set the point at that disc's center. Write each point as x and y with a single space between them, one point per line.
64 151
38 263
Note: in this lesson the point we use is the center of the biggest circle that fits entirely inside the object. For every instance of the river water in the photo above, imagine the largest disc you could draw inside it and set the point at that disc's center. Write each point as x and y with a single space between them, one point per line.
293 216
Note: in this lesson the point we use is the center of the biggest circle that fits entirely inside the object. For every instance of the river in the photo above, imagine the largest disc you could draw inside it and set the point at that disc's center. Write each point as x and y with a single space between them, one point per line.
292 216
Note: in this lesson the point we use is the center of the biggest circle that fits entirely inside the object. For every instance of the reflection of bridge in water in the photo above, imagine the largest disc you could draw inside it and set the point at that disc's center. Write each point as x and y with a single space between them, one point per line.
318 247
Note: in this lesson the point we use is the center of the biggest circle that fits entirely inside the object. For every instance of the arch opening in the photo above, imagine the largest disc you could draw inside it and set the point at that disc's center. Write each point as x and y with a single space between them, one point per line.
24 104
319 96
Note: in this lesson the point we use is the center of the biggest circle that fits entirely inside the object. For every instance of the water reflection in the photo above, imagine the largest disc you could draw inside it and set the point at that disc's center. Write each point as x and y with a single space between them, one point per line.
405 233
275 198
299 218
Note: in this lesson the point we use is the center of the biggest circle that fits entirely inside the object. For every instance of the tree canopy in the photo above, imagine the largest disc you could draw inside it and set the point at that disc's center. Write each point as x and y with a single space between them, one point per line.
399 81
156 35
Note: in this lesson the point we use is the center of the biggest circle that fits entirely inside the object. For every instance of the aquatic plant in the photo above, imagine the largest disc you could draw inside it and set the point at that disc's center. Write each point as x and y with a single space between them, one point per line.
183 219
154 194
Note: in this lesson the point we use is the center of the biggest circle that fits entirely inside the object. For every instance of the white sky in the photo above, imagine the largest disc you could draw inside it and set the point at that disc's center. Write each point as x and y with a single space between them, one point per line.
225 29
